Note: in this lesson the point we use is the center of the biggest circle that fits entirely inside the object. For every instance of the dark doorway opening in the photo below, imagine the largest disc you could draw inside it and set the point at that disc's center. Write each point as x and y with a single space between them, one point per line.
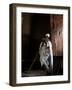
39 26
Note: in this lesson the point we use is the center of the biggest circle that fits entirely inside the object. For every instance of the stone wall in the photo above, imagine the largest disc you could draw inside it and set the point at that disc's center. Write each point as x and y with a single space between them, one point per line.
57 34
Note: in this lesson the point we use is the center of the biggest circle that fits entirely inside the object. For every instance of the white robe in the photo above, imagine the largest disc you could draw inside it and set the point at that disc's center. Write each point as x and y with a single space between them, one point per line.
46 55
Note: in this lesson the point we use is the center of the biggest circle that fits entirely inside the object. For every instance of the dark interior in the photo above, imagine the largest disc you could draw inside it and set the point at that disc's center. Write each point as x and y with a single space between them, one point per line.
39 26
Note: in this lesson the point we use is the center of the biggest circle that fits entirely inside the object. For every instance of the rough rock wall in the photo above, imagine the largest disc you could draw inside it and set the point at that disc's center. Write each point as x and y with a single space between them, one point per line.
57 34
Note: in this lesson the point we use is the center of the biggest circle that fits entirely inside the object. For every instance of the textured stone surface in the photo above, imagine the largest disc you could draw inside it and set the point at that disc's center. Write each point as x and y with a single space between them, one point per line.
57 34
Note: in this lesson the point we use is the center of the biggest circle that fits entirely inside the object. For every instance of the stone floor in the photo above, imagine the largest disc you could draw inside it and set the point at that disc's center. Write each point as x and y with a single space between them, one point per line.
34 73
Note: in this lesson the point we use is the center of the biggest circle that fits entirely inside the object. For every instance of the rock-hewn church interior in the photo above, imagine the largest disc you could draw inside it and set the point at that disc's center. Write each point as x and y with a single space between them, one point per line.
34 27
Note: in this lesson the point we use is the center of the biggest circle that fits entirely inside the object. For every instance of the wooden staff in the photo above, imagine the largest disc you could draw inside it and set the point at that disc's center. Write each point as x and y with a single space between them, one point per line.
33 62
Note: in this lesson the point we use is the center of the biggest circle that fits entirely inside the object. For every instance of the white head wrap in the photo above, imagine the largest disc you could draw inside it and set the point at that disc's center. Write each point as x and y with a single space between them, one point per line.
47 35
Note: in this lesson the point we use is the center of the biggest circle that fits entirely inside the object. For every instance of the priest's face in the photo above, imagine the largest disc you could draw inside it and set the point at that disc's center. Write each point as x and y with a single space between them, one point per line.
47 39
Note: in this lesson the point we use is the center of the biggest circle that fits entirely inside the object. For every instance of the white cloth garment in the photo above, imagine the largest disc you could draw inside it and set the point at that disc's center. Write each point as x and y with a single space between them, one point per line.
46 55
